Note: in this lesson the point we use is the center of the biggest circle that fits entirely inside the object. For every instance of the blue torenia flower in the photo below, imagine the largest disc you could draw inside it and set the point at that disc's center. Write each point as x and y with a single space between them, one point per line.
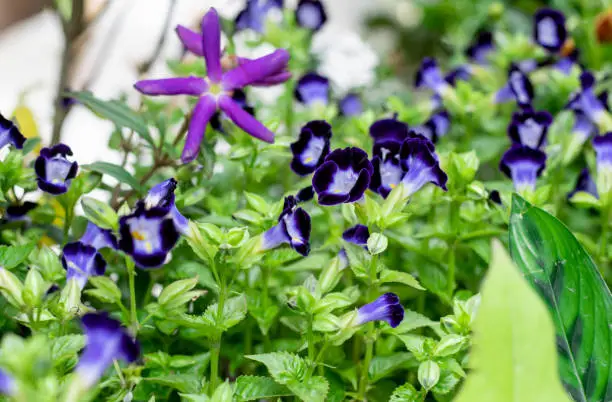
10 134
358 234
53 169
254 15
350 105
98 238
343 177
311 148
16 213
549 29
603 149
310 14
420 164
7 383
479 50
436 127
106 341
312 89
293 228
430 76
523 165
215 91
386 308
386 130
305 194
529 127
388 170
154 228
82 261
586 101
585 183
521 86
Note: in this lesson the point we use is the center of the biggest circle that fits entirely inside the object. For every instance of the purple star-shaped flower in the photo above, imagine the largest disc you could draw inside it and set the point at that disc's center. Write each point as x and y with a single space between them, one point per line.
215 90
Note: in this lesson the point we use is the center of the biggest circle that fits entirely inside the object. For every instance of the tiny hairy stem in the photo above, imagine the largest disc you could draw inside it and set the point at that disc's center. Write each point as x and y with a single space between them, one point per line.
131 270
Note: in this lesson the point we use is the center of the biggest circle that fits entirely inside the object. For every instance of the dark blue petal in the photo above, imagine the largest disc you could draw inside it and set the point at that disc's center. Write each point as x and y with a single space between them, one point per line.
239 96
19 212
53 170
529 128
430 76
311 148
585 183
98 238
523 165
421 165
351 105
255 13
520 86
82 261
479 50
386 308
311 89
389 130
461 73
358 234
297 226
436 127
305 194
603 148
549 29
495 197
310 14
10 134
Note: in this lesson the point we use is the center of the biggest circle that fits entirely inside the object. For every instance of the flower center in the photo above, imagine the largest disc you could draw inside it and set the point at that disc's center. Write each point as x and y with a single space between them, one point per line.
215 89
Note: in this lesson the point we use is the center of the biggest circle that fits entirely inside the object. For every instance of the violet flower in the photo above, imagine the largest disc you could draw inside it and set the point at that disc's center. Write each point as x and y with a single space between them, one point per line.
480 49
523 165
430 76
18 213
82 261
312 89
350 105
529 127
603 149
293 228
518 83
460 73
239 96
585 183
385 130
594 106
311 148
154 228
10 134
98 238
436 127
420 163
358 234
106 341
310 14
549 29
305 194
388 172
7 384
255 13
386 308
343 177
215 91
53 169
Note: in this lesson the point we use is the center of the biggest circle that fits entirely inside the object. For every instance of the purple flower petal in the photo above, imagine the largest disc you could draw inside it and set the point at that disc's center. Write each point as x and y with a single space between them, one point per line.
202 113
358 235
244 120
479 50
211 44
10 134
350 105
549 29
520 86
529 128
311 148
603 149
310 14
386 308
585 183
389 130
172 86
190 39
312 88
256 70
98 238
523 165
82 261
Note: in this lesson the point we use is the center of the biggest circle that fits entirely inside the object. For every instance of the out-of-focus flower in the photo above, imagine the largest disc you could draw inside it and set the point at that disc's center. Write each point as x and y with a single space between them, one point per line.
430 76
436 127
293 228
495 197
350 105
343 177
82 261
386 308
7 383
10 134
529 127
98 238
549 29
312 89
256 12
311 148
521 86
585 183
603 27
53 169
19 212
523 165
358 235
586 101
479 50
215 91
310 14
106 341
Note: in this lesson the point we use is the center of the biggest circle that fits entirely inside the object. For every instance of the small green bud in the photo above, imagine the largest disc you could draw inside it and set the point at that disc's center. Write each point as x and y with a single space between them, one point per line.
496 10
330 276
200 242
11 288
70 299
377 243
429 374
35 288
235 237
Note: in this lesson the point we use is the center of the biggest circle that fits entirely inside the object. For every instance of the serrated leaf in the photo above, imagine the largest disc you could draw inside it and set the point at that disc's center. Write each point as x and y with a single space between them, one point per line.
65 349
251 388
106 290
115 111
283 366
11 256
313 389
564 275
405 393
116 171
234 311
513 357
382 366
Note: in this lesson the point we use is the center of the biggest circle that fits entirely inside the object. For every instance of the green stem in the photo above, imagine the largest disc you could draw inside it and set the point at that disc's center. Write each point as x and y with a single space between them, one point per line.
603 241
370 338
265 276
311 347
68 216
216 341
131 270
452 245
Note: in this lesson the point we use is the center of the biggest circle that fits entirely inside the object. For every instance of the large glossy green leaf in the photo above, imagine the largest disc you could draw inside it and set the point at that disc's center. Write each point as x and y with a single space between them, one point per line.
115 171
564 275
513 357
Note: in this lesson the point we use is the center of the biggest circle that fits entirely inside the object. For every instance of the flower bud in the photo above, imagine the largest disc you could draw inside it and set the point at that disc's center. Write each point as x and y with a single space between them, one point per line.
11 288
330 276
429 374
70 298
35 288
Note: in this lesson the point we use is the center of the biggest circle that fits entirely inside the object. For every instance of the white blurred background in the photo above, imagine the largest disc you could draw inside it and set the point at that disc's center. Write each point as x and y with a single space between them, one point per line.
125 36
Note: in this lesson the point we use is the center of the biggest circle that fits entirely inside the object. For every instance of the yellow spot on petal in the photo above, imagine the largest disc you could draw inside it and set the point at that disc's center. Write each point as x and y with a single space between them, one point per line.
308 160
138 236
148 247
392 185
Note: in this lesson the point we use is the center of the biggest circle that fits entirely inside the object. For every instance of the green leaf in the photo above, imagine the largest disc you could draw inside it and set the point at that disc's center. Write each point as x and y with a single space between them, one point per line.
105 289
313 389
283 366
115 171
382 366
412 320
514 357
115 111
400 277
11 256
65 349
566 278
251 388
223 393
100 213
406 393
234 311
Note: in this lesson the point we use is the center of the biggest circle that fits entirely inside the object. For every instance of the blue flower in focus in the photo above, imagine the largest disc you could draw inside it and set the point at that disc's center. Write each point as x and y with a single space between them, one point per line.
98 238
420 164
310 14
254 15
523 165
387 130
312 89
154 228
311 148
386 308
10 134
529 127
82 261
106 341
293 228
343 177
387 166
53 169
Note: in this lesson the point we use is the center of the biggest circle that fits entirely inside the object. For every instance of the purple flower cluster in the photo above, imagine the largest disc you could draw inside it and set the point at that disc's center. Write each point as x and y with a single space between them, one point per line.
309 14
